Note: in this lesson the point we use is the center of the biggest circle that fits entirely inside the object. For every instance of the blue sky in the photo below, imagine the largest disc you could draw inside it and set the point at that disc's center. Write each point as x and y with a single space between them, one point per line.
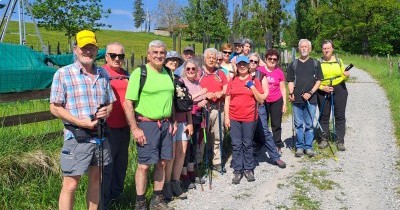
121 13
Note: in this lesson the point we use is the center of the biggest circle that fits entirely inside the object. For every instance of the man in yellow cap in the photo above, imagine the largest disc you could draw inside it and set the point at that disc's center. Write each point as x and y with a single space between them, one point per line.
81 97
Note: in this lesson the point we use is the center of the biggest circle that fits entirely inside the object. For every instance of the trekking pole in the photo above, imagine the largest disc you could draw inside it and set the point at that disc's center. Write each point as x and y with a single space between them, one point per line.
220 137
100 135
293 142
333 115
197 166
209 172
319 118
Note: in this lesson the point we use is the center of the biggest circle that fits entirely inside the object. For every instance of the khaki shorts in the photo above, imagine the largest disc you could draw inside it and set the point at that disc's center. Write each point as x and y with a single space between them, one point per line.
76 157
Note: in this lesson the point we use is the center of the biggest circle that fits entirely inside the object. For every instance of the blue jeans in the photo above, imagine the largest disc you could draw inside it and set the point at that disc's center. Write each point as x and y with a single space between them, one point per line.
303 122
264 135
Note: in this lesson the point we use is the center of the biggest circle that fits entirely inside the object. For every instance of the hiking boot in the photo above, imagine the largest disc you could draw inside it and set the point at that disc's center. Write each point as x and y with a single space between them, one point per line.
158 203
186 184
218 168
237 177
310 153
299 152
177 190
167 191
249 175
340 147
323 144
141 205
280 163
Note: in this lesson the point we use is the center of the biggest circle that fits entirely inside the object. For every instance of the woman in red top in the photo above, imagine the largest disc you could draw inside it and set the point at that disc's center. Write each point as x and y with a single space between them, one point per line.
243 93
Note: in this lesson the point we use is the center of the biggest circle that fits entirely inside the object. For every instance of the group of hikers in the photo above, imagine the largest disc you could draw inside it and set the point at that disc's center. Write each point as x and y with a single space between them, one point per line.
178 109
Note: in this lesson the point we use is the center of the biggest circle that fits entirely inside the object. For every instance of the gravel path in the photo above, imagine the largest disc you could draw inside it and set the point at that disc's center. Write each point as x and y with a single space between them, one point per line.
364 177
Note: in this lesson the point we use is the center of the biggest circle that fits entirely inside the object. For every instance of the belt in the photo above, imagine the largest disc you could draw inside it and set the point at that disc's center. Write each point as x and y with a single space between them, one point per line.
140 118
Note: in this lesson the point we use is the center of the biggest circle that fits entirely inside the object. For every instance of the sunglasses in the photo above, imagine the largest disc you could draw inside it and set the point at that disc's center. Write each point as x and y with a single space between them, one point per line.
272 59
227 52
253 61
219 59
114 55
193 69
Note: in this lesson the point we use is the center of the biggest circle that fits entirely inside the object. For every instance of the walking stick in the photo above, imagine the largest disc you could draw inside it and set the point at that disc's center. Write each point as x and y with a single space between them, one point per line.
197 167
333 115
220 137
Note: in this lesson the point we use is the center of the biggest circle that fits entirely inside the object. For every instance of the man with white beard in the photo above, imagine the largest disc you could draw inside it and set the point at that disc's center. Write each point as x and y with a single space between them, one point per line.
304 76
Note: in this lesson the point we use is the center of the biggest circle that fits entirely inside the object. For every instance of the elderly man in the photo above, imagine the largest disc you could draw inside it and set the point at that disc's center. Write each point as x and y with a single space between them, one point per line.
304 76
119 133
188 53
216 83
149 114
81 97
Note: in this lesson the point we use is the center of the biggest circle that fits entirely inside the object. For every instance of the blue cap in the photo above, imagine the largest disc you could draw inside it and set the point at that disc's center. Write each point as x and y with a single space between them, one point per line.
242 58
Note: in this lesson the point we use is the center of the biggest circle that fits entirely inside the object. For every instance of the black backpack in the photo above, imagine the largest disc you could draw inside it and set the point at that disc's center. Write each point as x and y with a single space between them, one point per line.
182 99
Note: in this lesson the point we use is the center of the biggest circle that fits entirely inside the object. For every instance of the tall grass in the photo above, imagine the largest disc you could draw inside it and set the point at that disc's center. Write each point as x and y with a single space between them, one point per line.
379 69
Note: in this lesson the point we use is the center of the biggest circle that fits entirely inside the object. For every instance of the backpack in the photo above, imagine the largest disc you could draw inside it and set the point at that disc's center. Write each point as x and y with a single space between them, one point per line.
182 99
295 66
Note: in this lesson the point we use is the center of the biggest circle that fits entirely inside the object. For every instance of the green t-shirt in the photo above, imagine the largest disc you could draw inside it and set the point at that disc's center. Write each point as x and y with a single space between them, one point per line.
157 94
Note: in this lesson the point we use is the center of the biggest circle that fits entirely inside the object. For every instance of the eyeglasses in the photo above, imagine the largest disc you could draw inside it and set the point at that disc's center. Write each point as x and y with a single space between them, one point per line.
272 59
114 55
173 60
253 61
193 69
227 52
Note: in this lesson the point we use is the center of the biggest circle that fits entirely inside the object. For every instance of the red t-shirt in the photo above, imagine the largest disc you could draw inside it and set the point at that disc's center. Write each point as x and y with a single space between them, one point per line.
242 106
214 82
117 116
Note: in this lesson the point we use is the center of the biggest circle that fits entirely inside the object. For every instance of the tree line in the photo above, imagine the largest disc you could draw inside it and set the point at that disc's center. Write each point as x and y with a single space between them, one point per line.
356 26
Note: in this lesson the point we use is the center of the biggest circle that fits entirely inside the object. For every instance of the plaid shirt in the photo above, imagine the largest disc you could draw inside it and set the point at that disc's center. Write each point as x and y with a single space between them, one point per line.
78 93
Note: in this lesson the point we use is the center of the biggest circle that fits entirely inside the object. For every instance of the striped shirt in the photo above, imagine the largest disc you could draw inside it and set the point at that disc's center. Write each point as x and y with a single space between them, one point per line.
79 93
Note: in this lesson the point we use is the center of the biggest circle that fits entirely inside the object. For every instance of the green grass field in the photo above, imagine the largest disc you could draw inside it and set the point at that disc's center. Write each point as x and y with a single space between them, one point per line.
30 176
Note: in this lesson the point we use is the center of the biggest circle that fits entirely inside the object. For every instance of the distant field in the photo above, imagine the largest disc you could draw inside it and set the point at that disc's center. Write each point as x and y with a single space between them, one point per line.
134 42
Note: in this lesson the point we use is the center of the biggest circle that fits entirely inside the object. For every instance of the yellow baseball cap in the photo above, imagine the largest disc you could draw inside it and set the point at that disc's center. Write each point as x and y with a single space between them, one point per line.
85 37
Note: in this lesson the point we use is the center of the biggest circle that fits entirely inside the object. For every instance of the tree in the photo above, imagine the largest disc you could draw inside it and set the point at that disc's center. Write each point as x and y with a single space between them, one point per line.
169 15
138 13
70 16
208 18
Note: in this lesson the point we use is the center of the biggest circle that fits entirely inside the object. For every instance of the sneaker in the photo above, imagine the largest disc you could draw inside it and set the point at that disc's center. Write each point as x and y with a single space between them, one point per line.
218 167
322 144
249 175
299 152
167 191
279 150
237 177
177 190
310 153
158 202
280 163
340 147
141 205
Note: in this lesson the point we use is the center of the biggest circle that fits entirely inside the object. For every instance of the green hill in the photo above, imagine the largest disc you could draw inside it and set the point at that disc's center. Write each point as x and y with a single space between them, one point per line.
134 42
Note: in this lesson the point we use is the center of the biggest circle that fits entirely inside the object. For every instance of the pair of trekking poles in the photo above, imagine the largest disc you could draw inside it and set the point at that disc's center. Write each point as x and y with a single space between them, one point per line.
204 126
332 100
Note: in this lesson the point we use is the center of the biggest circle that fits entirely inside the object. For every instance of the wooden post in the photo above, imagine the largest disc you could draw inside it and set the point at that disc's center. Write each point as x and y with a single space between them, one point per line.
390 68
58 48
173 42
204 42
133 60
179 43
194 47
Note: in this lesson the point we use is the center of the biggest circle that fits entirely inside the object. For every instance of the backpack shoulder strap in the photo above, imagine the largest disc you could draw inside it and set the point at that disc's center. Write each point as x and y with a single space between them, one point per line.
143 77
294 70
315 67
